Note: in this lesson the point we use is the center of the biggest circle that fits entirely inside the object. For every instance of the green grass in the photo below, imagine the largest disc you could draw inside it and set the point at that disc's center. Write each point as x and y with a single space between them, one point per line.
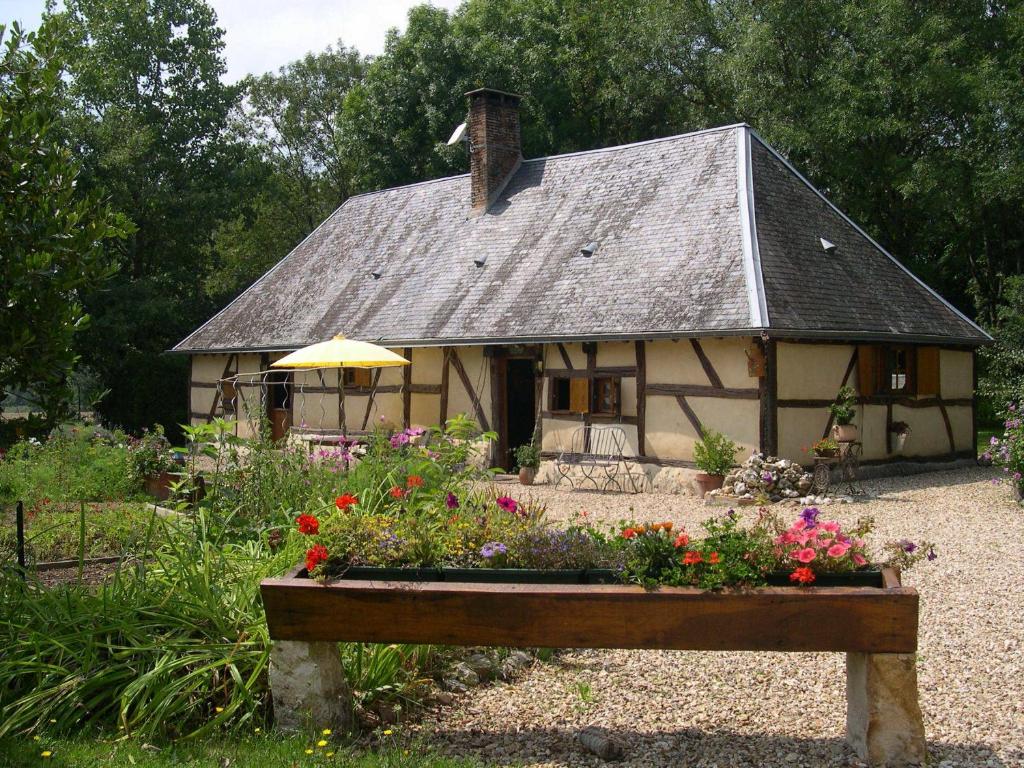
985 434
52 529
272 750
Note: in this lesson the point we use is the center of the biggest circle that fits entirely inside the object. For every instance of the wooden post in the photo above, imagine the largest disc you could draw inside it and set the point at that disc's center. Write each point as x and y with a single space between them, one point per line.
407 389
768 392
883 717
591 349
641 399
445 364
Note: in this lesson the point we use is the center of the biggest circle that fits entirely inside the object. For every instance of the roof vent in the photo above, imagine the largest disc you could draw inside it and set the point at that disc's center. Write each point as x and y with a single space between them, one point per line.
459 134
480 260
588 249
829 246
376 273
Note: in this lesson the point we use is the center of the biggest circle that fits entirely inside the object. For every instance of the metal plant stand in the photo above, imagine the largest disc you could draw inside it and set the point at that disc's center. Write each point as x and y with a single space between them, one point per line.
848 464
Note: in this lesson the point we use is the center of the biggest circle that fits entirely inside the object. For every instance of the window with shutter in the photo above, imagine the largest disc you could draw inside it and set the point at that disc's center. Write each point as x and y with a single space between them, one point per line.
579 395
867 369
560 399
362 377
606 396
928 371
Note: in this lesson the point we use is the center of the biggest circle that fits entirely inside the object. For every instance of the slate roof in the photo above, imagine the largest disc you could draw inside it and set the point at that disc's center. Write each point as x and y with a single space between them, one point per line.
675 222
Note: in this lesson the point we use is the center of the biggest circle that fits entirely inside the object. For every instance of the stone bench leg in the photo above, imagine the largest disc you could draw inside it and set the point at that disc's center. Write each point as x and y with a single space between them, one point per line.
308 686
883 719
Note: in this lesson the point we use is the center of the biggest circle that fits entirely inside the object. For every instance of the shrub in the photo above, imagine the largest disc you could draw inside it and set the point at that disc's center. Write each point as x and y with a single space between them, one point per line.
528 455
1007 451
714 453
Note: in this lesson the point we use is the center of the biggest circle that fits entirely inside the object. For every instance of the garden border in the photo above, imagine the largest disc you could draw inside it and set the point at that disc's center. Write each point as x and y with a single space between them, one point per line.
875 626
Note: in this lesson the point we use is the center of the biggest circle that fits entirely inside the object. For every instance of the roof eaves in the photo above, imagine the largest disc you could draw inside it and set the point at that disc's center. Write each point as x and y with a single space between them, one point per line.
748 229
868 237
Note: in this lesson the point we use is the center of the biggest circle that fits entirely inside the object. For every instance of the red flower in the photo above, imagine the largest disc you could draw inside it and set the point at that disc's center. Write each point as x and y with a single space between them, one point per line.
414 481
681 540
345 501
629 533
308 525
315 555
802 575
692 558
713 558
397 493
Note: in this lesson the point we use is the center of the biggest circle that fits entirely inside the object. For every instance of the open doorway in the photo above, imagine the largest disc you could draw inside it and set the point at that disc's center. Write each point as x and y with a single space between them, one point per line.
521 399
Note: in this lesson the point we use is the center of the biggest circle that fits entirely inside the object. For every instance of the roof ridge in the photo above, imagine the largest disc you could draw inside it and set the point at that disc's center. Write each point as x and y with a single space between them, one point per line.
752 272
928 289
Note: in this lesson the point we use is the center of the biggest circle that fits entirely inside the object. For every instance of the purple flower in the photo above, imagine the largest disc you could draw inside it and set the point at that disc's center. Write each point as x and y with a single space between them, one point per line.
931 553
493 548
399 439
993 440
731 514
508 504
907 546
810 516
451 501
766 477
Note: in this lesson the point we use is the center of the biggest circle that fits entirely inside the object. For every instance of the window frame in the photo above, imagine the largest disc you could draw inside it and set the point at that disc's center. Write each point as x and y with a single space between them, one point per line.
889 369
595 395
553 383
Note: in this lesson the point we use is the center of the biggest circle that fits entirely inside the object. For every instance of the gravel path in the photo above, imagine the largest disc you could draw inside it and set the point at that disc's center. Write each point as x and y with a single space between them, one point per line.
679 708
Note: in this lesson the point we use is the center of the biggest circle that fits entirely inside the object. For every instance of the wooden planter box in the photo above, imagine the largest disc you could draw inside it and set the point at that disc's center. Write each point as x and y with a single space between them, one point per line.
880 619
875 625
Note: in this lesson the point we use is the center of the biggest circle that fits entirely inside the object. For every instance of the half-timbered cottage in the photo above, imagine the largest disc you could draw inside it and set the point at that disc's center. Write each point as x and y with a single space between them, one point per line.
696 281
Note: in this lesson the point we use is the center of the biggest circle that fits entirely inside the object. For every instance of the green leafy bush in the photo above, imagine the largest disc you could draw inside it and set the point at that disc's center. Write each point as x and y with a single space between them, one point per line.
845 406
714 453
52 530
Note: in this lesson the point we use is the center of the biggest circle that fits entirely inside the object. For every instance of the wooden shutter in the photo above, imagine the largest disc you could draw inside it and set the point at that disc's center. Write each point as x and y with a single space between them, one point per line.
579 395
928 371
868 369
361 377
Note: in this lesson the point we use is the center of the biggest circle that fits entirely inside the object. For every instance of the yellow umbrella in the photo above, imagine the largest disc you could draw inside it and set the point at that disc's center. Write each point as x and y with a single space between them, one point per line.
340 353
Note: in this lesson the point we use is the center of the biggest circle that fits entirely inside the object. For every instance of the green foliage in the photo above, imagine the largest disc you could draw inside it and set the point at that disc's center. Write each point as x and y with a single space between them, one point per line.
714 453
151 454
54 239
1003 379
52 530
1007 449
76 463
845 406
528 455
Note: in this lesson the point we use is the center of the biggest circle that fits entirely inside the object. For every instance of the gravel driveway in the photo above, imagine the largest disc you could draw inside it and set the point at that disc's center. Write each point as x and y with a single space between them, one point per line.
681 708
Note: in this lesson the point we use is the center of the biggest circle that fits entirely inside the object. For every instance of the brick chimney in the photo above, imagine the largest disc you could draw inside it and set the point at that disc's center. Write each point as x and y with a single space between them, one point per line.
494 147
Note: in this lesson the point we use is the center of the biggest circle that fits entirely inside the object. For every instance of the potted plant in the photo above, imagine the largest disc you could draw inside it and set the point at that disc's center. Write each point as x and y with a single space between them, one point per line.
827 447
843 410
714 455
528 459
153 463
901 431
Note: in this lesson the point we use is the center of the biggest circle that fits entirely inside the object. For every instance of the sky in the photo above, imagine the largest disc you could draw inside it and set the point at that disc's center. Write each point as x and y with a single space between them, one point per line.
262 35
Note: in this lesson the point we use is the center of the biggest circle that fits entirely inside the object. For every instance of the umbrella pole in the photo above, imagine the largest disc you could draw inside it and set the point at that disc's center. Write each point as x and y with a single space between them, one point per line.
341 401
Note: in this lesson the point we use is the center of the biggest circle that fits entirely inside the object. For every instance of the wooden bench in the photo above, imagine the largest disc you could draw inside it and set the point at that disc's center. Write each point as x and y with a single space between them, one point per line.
594 449
875 626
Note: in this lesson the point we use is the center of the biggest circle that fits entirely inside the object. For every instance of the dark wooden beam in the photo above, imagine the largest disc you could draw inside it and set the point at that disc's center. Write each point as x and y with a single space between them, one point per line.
691 415
478 408
445 367
641 398
702 390
591 350
371 398
705 362
768 394
188 402
905 402
565 355
216 395
846 378
621 371
949 427
407 388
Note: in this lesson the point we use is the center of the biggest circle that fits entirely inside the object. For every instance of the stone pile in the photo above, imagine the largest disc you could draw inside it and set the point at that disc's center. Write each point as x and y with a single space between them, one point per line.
766 477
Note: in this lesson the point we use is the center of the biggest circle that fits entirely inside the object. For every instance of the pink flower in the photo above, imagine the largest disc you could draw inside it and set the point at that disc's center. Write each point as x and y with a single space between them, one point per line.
508 504
799 525
831 526
837 550
803 555
859 559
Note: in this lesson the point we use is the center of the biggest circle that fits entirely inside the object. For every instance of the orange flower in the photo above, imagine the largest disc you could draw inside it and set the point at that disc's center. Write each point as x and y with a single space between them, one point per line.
802 575
397 493
629 533
713 558
681 540
414 481
692 558
640 529
665 526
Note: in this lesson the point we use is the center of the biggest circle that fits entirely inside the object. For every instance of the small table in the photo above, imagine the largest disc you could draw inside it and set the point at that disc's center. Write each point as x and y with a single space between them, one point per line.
848 462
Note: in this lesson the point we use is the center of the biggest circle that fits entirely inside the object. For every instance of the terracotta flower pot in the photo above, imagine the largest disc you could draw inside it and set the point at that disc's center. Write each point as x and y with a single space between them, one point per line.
159 486
707 482
845 433
527 475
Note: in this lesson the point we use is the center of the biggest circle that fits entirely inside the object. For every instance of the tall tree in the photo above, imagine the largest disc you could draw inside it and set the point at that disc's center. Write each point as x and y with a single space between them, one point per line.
149 111
54 240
